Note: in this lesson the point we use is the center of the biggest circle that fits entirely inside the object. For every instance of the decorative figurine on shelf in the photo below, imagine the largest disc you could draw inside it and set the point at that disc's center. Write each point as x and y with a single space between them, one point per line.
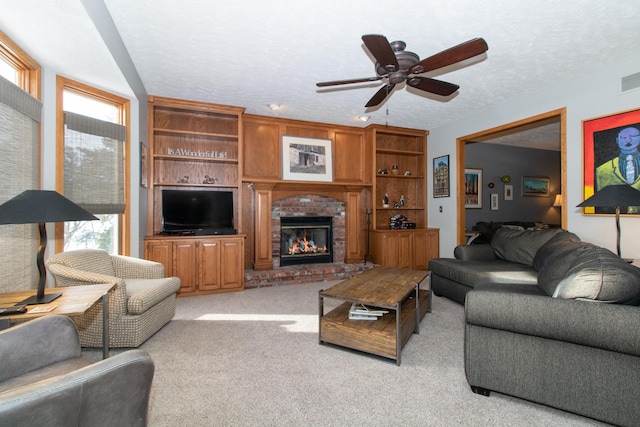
385 201
382 172
183 180
209 180
395 170
407 173
396 204
402 200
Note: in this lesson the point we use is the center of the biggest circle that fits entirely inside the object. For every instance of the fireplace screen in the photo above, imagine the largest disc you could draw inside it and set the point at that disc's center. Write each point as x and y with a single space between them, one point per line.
306 240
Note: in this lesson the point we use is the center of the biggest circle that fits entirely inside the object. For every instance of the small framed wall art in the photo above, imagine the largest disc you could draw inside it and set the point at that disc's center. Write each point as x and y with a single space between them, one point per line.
473 188
144 160
494 201
441 176
508 192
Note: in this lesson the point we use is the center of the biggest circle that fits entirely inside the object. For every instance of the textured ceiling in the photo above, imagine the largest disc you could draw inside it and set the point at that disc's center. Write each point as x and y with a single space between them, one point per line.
252 53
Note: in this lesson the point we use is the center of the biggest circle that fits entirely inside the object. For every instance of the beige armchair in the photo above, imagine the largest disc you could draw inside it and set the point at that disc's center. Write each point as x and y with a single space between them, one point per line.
142 302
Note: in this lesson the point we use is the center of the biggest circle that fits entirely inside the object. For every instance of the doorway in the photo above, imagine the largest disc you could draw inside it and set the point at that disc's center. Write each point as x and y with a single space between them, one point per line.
504 130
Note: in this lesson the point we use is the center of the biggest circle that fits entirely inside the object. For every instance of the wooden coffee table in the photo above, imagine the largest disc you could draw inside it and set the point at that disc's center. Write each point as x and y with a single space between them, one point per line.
394 289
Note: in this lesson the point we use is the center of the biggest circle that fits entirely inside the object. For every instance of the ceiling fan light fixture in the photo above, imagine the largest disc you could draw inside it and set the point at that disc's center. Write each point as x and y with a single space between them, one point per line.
274 106
398 66
364 118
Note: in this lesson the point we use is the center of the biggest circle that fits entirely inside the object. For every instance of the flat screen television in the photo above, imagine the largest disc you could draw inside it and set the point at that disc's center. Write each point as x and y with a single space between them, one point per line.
197 212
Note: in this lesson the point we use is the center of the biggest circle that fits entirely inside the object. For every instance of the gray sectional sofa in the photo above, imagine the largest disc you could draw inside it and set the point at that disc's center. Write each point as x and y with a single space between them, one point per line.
550 319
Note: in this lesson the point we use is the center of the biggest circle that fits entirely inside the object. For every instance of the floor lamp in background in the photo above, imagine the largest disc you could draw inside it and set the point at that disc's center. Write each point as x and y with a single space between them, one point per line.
614 196
40 207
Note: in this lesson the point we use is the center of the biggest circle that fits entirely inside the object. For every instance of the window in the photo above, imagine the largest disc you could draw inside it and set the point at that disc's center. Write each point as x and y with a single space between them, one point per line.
20 141
92 166
8 71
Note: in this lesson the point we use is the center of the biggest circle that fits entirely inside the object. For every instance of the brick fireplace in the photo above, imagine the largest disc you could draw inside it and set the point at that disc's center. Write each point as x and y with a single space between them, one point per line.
311 206
342 204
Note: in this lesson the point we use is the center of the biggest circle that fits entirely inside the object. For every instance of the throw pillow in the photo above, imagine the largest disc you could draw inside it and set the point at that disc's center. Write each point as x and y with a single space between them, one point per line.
561 242
600 275
520 245
556 268
593 273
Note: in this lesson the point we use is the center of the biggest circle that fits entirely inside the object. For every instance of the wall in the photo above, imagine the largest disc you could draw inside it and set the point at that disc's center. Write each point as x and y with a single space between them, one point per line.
498 160
584 98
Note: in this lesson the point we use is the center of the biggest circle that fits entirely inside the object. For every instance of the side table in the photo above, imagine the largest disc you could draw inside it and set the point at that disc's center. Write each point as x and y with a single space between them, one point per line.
74 301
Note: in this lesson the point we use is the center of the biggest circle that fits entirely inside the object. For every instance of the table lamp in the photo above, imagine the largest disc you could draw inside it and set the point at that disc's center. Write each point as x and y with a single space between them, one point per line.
614 196
40 207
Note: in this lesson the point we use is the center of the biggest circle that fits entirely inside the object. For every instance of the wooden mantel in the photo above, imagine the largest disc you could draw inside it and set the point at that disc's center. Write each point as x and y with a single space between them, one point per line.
265 192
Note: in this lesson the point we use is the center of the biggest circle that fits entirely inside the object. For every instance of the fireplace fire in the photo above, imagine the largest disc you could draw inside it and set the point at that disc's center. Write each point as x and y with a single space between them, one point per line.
306 240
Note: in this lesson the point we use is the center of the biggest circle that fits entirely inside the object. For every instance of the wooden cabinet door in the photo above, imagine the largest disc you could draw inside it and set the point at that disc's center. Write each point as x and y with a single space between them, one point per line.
232 262
403 255
396 250
209 265
420 251
161 251
184 264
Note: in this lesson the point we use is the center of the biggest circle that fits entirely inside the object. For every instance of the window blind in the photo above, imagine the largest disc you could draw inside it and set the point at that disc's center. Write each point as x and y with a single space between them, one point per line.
19 118
94 163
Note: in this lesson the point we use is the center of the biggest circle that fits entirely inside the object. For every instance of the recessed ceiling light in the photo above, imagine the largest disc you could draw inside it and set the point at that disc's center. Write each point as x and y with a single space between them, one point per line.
364 118
274 106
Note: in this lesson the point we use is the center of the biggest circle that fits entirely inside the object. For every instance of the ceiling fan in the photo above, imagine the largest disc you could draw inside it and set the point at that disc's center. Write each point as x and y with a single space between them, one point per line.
397 65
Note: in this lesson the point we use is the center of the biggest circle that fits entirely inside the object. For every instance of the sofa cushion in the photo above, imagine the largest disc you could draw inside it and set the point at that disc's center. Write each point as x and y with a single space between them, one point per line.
520 245
146 293
593 273
472 273
561 242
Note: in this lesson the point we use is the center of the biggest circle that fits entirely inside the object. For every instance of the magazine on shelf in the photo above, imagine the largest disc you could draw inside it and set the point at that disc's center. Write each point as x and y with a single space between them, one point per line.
362 312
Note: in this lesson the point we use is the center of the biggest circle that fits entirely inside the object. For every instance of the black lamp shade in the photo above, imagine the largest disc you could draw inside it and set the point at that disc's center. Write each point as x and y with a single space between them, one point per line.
41 206
35 206
613 196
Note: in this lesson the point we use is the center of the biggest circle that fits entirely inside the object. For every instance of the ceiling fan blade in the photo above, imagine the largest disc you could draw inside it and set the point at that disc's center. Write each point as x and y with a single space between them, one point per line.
455 54
346 82
380 95
432 85
381 50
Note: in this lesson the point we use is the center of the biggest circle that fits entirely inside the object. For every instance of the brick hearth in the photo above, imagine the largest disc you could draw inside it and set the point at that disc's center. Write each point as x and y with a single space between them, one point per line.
304 273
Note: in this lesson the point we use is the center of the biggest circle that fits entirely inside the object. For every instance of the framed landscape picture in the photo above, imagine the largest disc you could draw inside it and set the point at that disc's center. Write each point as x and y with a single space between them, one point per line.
532 186
473 188
441 176
306 159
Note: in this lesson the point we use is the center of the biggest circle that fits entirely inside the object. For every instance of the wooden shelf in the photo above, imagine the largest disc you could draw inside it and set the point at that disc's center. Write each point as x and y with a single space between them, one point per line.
182 135
187 132
399 152
195 159
386 175
407 248
404 208
189 184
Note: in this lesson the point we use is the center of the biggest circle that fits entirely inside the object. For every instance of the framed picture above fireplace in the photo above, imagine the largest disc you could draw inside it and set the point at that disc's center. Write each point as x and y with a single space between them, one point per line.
306 159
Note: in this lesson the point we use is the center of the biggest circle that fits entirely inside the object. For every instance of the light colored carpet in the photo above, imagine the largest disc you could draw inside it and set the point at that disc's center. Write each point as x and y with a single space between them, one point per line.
253 359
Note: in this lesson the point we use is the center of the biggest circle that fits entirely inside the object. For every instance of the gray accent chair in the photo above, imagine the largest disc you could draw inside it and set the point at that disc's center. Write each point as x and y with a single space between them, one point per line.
45 380
142 302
